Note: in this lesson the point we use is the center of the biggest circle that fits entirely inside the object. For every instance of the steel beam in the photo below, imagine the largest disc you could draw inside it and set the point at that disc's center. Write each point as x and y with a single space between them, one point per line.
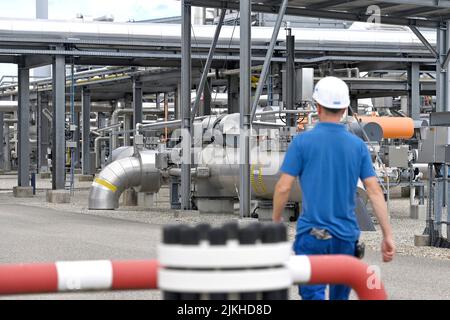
424 40
326 4
85 135
268 60
332 14
204 78
59 121
245 102
23 135
414 91
186 69
137 102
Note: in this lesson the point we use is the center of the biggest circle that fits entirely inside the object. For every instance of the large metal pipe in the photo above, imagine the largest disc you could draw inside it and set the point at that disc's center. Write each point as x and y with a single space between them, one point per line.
224 172
11 106
137 172
142 33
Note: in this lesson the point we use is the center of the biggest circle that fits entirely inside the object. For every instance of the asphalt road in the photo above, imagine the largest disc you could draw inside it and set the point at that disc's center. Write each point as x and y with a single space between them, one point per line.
29 234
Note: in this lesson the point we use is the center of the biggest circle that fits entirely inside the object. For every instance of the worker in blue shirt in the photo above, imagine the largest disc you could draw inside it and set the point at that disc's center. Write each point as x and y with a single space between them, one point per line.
329 161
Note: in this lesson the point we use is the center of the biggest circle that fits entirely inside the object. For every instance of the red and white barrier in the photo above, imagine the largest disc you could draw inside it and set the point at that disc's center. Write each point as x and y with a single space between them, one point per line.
338 269
143 275
78 276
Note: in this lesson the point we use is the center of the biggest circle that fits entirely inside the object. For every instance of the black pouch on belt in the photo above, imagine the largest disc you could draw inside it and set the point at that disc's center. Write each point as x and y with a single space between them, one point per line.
360 250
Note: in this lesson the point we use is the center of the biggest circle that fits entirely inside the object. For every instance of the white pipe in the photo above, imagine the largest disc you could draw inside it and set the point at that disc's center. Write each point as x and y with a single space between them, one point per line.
129 32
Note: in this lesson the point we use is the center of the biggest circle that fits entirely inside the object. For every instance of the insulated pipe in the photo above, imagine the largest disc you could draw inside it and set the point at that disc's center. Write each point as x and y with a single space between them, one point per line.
78 276
339 269
140 33
393 127
97 145
133 172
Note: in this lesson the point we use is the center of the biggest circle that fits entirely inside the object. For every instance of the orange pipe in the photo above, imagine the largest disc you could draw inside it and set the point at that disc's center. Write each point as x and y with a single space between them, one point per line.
393 127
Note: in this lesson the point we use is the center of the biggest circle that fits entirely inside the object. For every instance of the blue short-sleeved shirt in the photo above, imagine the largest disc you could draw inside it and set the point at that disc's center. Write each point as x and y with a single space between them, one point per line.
329 160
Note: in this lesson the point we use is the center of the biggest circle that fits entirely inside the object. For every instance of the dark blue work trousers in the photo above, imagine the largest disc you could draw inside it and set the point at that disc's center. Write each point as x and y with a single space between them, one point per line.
307 244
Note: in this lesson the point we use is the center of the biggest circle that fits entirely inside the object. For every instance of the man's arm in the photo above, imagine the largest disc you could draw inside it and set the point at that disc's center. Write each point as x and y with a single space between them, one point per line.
281 196
380 209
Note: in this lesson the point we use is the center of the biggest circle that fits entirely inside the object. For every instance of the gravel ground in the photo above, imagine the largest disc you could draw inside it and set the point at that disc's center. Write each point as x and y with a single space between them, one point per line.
404 227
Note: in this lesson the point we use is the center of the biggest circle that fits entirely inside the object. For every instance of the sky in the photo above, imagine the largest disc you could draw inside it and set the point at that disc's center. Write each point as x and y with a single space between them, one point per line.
67 10
63 9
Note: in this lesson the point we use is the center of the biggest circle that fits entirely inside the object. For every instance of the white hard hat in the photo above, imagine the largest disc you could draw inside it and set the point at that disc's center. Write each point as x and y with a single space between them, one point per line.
332 93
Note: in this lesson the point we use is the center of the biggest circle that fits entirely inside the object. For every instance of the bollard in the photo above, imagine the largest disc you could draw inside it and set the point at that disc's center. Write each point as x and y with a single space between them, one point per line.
225 263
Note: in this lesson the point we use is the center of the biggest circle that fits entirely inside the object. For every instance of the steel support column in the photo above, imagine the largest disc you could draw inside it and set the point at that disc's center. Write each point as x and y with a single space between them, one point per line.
59 121
137 102
446 87
233 94
207 99
414 91
77 139
85 135
7 150
290 77
440 73
245 105
2 123
268 59
23 135
43 133
185 106
204 78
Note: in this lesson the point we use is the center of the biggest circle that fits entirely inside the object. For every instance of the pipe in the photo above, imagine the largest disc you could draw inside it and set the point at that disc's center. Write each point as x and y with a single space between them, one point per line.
97 145
143 275
11 106
137 172
339 269
393 127
143 33
78 276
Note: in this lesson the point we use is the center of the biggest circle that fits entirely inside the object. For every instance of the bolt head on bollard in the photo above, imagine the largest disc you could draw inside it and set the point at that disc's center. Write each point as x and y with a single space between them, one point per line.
189 236
217 237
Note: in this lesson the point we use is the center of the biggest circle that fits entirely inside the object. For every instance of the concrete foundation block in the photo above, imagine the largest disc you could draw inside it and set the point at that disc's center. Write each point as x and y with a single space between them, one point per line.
23 192
421 241
129 198
58 196
266 214
146 200
418 212
45 175
219 206
86 178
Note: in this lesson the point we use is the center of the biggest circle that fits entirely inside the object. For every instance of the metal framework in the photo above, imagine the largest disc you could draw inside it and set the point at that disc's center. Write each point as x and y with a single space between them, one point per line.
421 13
428 13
